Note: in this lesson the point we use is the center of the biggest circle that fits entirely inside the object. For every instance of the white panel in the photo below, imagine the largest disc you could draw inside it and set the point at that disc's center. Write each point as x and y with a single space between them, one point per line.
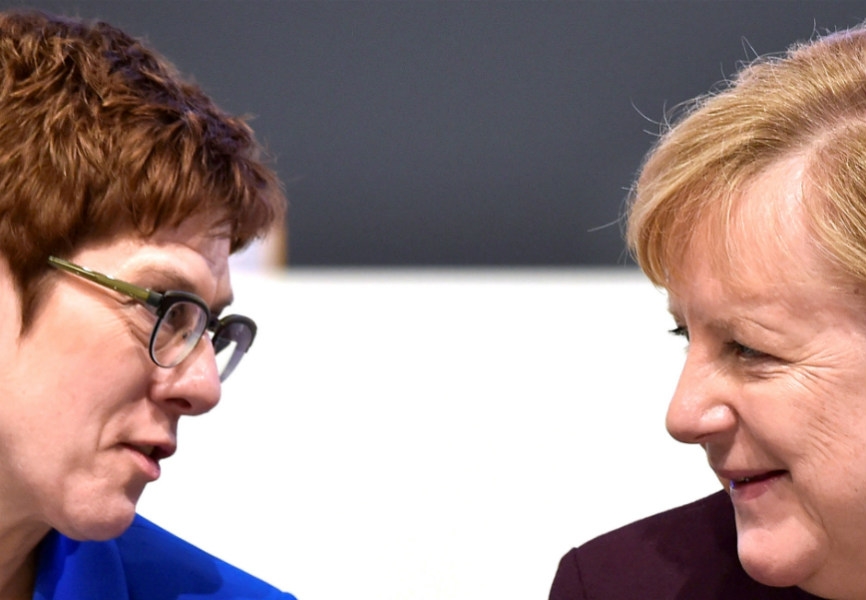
418 435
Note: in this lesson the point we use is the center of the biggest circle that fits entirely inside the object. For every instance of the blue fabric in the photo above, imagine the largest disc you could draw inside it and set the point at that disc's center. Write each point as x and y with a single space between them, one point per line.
145 563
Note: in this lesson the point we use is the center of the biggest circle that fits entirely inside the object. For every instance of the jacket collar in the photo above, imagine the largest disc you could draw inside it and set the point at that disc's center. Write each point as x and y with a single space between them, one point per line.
72 570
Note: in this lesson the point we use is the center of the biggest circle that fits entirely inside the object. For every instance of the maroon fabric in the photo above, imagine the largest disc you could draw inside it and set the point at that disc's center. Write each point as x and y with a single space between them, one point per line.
688 553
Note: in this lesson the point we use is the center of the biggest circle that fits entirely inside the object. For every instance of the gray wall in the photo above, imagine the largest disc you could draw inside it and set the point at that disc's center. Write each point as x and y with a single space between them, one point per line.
460 133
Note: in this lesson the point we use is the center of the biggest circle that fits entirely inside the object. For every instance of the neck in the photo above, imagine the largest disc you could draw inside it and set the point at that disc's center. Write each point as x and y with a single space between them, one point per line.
18 577
18 562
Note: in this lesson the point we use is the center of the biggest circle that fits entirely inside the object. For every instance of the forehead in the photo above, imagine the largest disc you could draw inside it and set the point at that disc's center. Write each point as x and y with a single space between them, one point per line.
192 255
196 236
762 235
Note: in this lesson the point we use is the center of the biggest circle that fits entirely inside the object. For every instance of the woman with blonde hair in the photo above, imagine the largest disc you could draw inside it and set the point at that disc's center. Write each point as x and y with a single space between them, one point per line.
750 212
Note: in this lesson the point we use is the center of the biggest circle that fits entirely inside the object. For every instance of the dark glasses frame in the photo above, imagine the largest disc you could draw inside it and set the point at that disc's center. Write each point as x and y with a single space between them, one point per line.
233 328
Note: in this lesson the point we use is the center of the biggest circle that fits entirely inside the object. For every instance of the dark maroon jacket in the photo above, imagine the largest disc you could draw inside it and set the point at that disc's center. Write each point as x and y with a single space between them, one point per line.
688 553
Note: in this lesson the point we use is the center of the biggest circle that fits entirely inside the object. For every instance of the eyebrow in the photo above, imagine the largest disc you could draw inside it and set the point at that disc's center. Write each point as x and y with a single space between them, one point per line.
177 281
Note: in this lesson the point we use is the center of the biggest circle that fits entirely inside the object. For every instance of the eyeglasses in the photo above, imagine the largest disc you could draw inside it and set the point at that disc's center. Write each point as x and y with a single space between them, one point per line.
181 320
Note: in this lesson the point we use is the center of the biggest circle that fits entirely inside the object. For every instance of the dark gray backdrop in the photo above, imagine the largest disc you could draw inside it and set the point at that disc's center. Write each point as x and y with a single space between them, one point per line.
459 133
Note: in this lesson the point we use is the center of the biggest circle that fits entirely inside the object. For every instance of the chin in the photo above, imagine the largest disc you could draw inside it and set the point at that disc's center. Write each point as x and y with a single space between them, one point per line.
104 523
772 572
773 565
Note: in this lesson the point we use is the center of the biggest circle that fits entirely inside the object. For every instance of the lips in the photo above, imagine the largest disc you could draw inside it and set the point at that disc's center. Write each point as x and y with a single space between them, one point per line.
155 452
736 482
146 456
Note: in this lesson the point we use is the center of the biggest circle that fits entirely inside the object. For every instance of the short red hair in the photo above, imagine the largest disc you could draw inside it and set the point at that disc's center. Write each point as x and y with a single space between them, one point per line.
100 136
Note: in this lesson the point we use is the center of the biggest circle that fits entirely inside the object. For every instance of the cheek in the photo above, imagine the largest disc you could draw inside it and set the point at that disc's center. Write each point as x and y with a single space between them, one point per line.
70 378
70 395
819 418
112 353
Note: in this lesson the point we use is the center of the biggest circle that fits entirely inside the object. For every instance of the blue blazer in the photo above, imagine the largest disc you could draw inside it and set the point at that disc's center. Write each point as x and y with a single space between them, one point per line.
145 563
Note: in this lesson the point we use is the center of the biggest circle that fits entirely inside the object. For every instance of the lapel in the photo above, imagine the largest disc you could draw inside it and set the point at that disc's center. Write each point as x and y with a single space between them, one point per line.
71 570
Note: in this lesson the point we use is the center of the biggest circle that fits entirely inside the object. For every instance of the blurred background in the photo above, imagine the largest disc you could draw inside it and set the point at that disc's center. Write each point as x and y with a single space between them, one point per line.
460 376
459 133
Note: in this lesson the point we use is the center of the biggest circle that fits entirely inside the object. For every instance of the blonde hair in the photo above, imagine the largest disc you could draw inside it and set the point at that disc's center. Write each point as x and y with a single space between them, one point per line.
809 102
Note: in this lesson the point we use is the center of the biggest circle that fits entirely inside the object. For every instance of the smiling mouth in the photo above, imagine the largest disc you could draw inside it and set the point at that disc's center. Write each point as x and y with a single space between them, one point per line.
735 483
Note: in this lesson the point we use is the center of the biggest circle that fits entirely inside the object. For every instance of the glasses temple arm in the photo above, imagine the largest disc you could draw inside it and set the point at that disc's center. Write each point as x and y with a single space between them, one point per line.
139 293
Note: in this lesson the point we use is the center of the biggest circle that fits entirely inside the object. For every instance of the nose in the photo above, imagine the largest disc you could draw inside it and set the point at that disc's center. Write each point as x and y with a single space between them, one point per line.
192 387
701 409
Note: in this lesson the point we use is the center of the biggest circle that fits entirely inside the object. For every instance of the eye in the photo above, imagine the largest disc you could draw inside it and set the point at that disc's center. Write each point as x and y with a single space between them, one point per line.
745 352
680 331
